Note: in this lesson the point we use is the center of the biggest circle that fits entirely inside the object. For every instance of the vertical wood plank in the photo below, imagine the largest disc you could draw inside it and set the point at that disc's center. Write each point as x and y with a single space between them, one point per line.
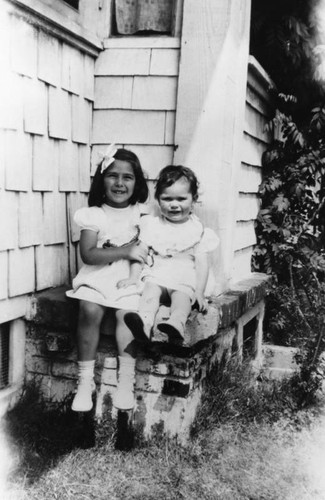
18 161
51 266
68 166
59 114
3 275
44 164
54 218
24 48
8 220
84 168
21 271
48 59
35 107
30 219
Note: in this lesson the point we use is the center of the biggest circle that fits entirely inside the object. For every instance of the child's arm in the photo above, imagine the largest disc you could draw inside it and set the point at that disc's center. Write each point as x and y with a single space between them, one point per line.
133 279
202 270
92 255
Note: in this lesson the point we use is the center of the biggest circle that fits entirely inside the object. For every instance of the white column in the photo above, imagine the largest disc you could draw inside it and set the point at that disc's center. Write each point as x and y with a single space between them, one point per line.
210 111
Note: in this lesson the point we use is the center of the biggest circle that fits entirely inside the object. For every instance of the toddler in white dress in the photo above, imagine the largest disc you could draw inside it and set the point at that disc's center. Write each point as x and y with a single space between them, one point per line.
177 265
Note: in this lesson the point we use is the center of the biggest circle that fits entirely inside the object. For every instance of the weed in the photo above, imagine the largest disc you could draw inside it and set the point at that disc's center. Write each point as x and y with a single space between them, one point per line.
235 394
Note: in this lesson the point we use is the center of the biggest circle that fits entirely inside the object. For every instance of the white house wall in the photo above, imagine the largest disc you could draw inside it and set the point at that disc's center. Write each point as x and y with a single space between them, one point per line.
65 95
136 82
255 141
46 101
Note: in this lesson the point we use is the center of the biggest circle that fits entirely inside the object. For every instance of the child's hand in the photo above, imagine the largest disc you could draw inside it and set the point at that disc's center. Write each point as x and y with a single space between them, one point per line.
201 302
127 282
138 252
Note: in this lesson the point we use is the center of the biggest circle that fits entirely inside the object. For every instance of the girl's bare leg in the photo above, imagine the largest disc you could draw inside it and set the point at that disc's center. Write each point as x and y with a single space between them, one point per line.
124 338
141 323
180 304
179 312
90 317
124 396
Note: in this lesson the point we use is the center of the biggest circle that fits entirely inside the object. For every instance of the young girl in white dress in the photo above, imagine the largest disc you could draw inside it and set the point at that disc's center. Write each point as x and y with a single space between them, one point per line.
108 246
178 247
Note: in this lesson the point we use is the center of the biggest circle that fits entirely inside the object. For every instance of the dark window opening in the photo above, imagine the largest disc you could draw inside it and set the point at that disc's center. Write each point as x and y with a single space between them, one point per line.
73 3
4 354
143 17
249 336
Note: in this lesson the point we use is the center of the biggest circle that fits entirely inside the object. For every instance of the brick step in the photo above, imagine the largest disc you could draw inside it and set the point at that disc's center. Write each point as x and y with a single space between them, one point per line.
169 378
53 309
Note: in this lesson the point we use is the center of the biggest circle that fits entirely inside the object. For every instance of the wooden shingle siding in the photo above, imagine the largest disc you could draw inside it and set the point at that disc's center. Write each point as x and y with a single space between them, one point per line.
30 221
134 127
59 114
8 220
51 265
154 92
255 141
49 68
11 101
21 271
45 159
46 97
88 80
136 93
17 161
81 120
113 92
23 46
68 166
153 158
3 275
121 62
84 168
35 107
55 223
164 62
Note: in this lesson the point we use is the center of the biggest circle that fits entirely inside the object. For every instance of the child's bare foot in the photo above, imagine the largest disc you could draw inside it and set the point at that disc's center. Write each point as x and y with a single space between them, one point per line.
141 331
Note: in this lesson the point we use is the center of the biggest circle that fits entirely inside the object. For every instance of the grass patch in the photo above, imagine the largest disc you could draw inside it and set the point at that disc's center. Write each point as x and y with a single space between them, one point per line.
249 442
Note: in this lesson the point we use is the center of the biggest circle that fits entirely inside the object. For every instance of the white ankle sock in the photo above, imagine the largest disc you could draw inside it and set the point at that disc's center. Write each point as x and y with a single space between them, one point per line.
86 369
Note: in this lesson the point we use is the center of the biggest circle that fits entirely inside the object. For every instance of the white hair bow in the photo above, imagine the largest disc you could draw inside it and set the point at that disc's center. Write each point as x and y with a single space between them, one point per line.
108 157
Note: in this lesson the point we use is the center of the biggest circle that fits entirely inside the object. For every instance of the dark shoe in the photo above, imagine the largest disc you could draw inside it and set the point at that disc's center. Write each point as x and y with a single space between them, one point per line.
140 331
174 329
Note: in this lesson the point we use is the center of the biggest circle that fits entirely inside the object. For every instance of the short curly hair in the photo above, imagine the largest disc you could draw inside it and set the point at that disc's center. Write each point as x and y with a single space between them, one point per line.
172 173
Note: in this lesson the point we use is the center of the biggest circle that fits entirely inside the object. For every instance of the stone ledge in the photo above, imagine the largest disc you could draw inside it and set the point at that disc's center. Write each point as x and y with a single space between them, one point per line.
52 309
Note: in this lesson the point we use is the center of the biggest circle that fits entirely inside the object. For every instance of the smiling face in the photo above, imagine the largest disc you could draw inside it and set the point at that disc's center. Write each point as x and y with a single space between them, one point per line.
119 184
176 201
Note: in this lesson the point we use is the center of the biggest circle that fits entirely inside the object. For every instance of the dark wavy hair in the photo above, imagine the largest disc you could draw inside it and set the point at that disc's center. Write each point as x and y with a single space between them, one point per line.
172 173
96 194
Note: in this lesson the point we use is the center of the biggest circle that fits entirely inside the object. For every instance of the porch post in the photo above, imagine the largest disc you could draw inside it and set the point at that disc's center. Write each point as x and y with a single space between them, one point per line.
210 110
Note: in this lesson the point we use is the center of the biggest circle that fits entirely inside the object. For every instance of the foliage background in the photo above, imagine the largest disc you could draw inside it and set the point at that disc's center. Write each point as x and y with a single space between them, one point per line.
288 39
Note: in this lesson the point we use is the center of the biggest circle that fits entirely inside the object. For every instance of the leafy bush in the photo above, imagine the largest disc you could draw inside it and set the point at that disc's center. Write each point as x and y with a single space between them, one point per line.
290 230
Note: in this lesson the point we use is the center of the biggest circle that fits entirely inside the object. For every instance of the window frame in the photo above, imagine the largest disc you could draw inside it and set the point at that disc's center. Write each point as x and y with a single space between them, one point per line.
177 18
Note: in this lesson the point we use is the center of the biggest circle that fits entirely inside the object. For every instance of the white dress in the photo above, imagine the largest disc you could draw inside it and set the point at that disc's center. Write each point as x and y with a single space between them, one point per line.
173 248
97 283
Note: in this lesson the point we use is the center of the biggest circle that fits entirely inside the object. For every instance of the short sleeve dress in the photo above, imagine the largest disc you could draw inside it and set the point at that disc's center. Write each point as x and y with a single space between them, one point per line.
98 283
173 248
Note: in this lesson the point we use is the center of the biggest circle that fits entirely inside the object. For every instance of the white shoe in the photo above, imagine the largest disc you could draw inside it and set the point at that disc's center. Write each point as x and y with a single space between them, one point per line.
83 400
